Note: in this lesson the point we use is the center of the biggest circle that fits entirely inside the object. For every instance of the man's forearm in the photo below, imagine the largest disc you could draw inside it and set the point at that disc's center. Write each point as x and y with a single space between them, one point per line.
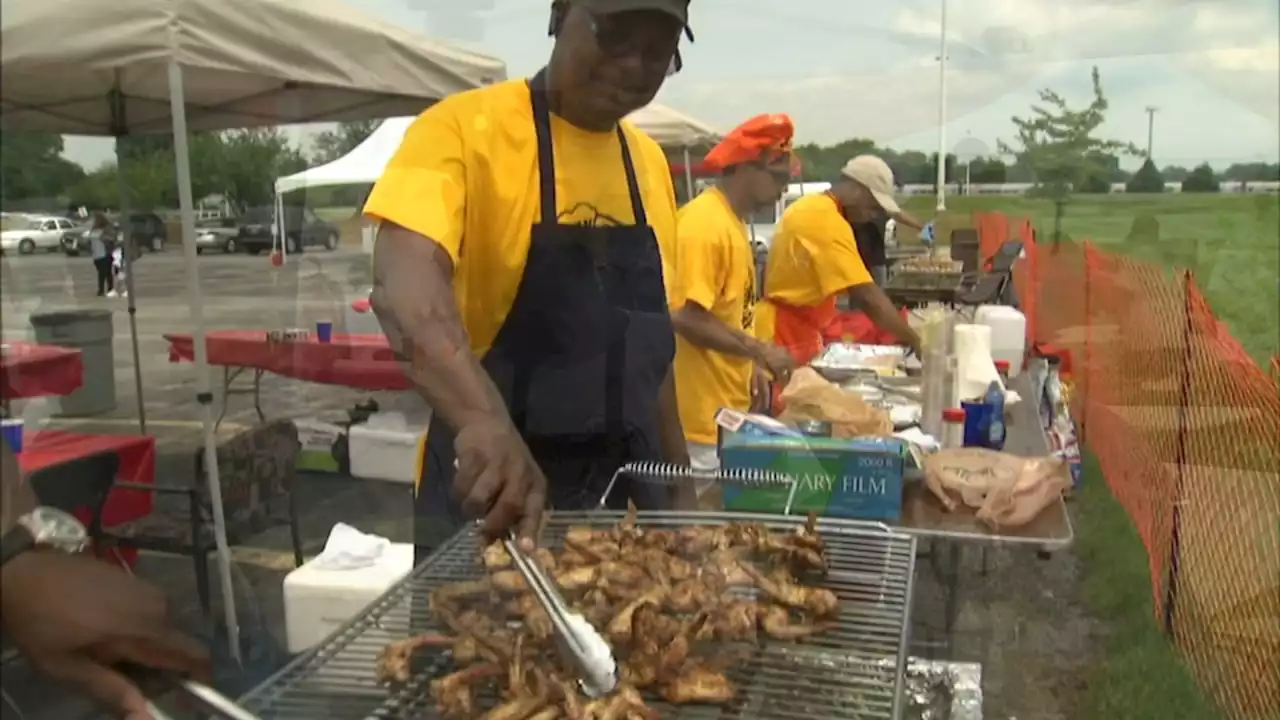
882 312
703 329
670 432
413 300
903 217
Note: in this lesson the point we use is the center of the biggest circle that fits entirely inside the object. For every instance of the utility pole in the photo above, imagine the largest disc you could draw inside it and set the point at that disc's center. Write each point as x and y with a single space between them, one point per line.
1151 128
942 113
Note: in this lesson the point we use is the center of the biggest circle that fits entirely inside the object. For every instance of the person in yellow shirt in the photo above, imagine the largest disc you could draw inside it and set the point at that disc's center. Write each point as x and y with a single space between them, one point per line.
715 272
813 259
520 267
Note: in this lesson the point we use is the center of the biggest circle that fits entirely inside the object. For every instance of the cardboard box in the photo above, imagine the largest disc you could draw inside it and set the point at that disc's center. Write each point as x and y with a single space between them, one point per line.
856 479
318 439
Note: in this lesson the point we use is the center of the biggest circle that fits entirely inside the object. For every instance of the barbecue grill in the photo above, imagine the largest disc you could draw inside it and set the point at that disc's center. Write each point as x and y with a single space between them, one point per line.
852 670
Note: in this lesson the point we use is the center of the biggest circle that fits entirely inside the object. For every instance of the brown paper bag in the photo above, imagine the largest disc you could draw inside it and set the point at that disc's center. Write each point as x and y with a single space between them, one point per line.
809 396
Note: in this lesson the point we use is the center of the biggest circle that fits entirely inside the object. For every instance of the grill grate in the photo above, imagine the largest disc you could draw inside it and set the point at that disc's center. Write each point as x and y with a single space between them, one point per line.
852 670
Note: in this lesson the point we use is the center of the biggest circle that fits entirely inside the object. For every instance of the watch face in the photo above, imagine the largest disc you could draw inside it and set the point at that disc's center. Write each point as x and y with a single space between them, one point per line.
55 528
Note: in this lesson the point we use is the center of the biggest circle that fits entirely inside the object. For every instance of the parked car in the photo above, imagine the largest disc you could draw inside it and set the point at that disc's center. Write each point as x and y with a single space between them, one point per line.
40 232
146 229
222 235
303 229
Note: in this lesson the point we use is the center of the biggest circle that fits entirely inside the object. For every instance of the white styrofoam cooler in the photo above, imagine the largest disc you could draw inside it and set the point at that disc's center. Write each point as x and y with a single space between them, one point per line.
317 602
390 451
1008 334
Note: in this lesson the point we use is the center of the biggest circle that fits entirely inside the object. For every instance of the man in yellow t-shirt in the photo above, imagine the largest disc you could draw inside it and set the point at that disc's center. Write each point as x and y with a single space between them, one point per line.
715 272
813 258
525 233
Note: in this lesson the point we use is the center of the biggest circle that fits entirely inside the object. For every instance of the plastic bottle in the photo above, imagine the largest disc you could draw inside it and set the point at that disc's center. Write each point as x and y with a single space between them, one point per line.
995 427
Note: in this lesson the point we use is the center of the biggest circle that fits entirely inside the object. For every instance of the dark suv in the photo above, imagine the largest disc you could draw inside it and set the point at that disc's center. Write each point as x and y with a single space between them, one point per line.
303 229
147 230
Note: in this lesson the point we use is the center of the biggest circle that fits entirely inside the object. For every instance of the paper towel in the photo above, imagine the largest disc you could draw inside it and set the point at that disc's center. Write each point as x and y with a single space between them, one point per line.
349 549
975 370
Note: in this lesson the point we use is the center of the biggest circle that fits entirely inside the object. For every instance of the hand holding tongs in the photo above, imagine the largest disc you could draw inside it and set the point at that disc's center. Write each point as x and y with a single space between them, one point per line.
204 698
579 642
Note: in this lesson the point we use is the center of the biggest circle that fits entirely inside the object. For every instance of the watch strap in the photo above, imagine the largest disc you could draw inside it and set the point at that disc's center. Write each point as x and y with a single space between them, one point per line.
15 541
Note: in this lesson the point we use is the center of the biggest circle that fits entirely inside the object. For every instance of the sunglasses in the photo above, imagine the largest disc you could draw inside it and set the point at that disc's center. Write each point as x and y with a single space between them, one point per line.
618 41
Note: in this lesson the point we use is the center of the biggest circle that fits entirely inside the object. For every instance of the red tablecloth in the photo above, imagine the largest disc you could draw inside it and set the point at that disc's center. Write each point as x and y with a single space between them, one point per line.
351 360
31 370
46 448
856 327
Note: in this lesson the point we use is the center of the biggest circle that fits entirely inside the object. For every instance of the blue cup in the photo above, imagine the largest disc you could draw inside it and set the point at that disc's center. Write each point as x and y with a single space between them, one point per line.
12 430
978 421
324 332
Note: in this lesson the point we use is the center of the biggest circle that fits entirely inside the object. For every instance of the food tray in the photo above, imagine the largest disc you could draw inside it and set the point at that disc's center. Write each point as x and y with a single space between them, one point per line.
871 572
840 362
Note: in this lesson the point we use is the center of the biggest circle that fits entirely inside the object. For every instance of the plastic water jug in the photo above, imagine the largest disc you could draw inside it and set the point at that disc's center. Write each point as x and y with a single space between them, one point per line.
1008 334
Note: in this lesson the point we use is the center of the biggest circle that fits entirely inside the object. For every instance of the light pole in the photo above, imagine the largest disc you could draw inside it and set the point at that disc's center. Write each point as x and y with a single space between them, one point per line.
1151 128
942 112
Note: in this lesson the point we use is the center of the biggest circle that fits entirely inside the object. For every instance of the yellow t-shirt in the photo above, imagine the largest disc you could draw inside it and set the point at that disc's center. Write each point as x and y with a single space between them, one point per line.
716 270
813 255
466 176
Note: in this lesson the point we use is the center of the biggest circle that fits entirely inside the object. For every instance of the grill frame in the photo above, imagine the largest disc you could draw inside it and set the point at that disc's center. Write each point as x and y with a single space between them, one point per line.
336 679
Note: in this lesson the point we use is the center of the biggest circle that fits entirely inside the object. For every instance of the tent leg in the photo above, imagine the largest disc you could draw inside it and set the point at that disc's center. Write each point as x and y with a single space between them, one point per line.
204 395
688 173
127 230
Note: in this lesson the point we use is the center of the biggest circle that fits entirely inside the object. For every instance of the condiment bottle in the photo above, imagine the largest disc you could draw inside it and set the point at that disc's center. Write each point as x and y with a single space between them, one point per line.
952 428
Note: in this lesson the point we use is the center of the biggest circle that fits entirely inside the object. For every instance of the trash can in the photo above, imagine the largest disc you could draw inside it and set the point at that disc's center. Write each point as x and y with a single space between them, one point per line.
91 332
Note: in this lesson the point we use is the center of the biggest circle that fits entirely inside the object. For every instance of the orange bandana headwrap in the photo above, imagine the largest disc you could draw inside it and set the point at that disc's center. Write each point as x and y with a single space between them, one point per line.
762 138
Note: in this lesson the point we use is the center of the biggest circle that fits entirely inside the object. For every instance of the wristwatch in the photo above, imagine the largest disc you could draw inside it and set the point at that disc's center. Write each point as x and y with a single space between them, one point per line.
43 527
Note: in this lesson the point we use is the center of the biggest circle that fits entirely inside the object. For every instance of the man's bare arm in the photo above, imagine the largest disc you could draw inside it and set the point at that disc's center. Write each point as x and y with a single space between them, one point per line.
902 217
700 327
413 300
16 498
882 312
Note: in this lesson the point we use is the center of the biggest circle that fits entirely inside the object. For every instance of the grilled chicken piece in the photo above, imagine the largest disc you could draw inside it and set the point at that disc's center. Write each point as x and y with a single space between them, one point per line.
518 709
454 694
699 684
495 556
624 704
728 565
619 628
536 622
819 602
776 622
735 621
691 595
393 661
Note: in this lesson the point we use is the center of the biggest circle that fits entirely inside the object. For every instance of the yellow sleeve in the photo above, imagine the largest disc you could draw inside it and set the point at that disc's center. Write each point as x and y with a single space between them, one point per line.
837 266
423 187
701 269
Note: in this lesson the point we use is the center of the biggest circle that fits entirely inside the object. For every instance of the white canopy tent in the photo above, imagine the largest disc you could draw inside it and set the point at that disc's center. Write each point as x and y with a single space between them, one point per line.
130 67
365 163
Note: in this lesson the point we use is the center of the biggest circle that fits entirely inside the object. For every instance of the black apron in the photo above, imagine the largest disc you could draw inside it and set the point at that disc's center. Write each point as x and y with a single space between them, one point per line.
579 360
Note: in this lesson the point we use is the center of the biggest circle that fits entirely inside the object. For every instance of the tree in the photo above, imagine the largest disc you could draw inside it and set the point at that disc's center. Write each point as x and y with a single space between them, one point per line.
1174 173
988 170
1201 180
1146 180
1060 144
333 144
32 168
250 162
1252 172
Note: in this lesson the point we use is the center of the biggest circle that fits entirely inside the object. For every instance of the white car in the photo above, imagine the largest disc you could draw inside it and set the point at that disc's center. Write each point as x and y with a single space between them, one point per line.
36 233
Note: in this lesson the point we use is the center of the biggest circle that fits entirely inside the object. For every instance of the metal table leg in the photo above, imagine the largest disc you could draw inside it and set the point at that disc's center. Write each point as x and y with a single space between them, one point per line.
229 375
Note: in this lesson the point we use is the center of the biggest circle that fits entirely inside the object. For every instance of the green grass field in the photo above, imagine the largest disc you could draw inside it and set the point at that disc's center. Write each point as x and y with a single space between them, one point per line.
1230 242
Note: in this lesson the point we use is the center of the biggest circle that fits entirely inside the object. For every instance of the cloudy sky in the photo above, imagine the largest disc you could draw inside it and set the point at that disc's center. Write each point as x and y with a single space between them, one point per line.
846 68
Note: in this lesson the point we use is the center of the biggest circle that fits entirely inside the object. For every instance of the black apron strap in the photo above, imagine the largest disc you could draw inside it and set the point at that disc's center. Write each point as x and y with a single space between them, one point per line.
633 186
546 157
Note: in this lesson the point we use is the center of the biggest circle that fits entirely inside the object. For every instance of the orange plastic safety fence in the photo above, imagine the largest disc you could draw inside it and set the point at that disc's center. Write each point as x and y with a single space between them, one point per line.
1186 429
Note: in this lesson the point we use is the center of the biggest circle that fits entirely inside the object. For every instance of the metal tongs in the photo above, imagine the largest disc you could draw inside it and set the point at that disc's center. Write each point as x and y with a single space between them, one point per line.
201 697
580 644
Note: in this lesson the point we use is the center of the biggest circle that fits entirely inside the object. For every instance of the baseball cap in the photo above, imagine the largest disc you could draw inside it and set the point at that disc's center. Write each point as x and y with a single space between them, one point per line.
876 175
679 9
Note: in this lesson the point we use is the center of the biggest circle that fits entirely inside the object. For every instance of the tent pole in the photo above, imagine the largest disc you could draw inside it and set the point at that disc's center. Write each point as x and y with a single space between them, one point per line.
688 173
204 395
126 229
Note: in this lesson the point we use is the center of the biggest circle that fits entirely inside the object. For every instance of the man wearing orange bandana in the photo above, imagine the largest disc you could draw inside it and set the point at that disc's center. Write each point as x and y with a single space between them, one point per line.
814 258
716 350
